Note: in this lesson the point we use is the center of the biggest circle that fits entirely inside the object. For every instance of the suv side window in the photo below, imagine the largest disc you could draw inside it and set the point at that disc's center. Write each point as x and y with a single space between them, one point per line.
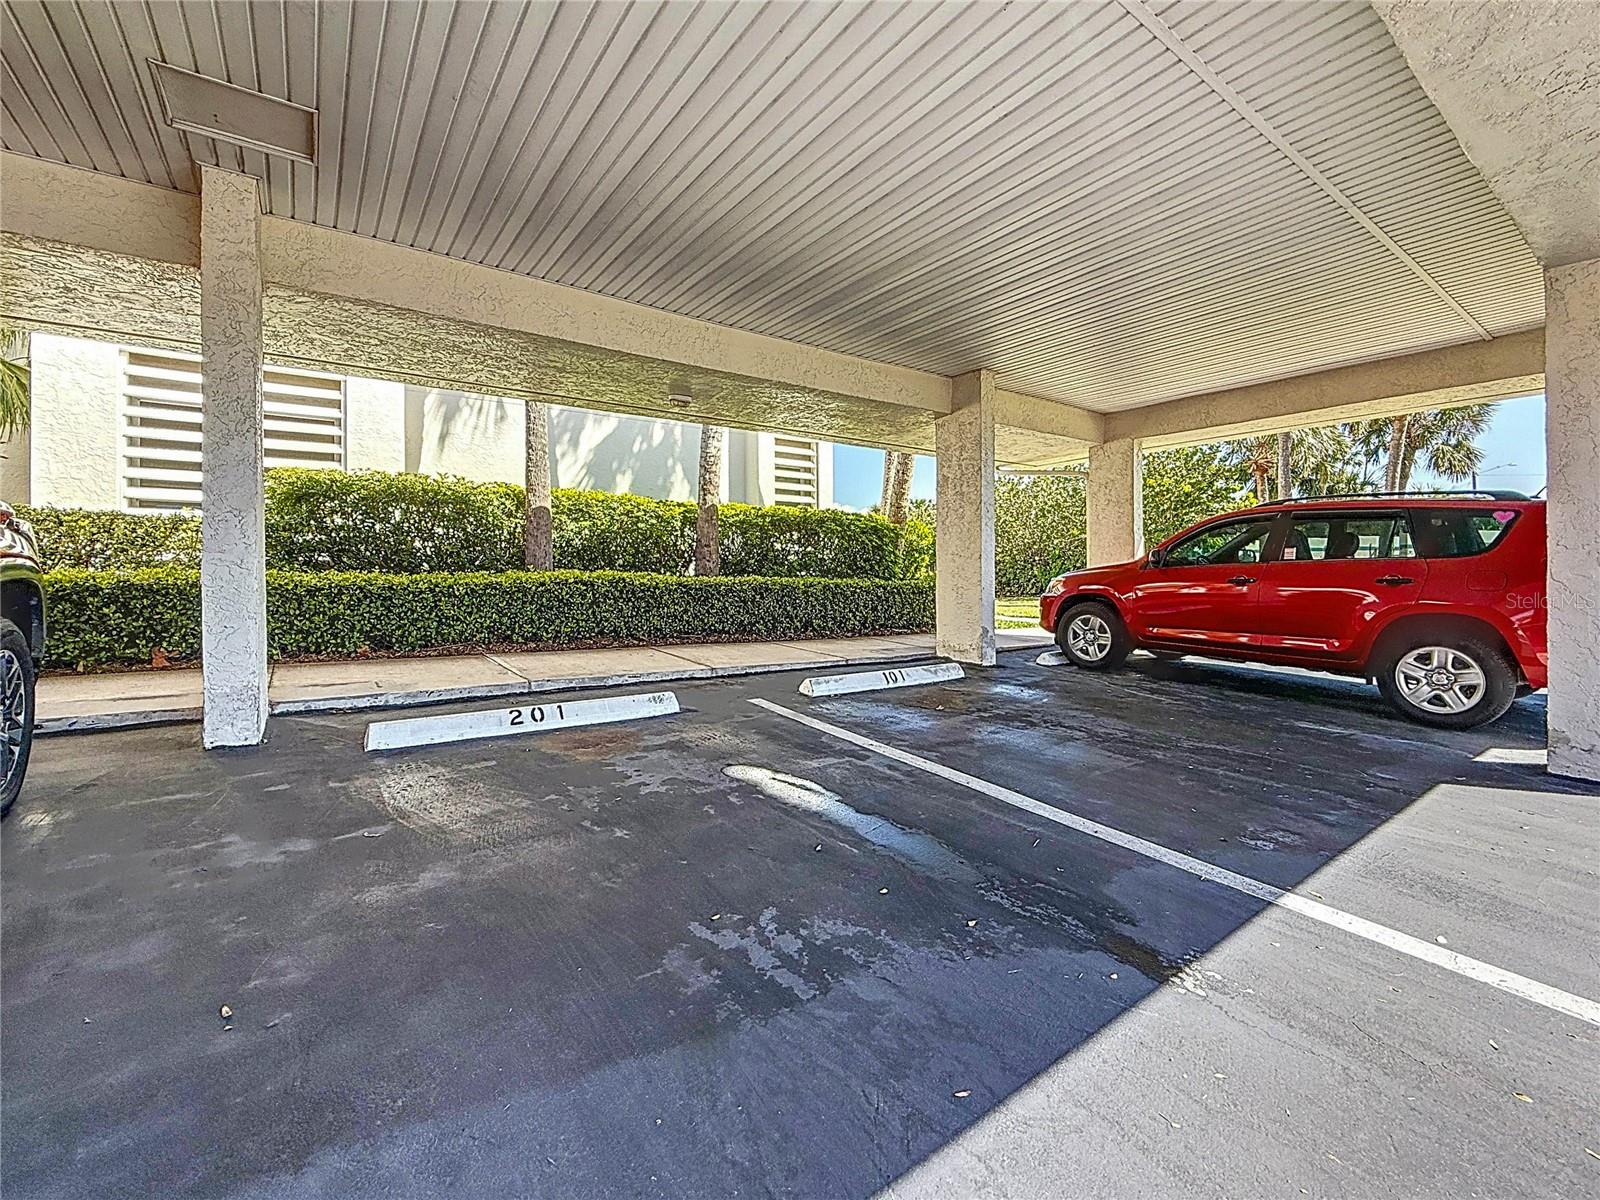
1339 535
1460 532
1230 542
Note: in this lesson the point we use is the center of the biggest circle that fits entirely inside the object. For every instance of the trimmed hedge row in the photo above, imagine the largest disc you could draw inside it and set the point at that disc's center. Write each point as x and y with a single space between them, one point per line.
407 523
103 618
101 540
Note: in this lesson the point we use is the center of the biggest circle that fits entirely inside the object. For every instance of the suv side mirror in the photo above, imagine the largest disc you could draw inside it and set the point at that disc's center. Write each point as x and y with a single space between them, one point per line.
1156 558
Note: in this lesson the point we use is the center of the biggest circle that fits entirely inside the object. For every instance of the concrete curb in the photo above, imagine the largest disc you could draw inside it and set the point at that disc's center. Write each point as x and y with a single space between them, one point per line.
106 722
99 722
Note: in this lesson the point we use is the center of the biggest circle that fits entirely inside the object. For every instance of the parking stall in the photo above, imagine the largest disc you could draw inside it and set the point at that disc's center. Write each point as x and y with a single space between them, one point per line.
1208 922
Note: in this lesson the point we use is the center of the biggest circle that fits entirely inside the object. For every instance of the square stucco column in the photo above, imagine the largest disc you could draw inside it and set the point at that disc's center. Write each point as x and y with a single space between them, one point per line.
1572 443
233 567
1115 501
964 542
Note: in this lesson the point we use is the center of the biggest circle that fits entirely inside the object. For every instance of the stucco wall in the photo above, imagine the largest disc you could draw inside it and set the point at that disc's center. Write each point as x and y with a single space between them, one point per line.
74 457
374 425
481 437
76 388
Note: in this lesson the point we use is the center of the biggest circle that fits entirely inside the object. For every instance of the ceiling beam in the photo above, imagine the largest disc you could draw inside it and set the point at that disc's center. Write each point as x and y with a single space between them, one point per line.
1471 373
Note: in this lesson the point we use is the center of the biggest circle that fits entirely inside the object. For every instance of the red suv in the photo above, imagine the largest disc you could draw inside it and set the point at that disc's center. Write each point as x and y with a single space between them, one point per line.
1439 598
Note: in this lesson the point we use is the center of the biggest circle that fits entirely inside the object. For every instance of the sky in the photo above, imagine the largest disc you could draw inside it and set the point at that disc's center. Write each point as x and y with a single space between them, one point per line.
1513 458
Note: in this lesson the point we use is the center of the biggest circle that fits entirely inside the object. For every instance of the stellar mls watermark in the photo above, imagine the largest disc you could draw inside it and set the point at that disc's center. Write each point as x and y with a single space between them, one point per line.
1540 601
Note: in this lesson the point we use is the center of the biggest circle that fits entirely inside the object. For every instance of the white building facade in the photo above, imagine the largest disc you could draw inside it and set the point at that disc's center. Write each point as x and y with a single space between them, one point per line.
118 427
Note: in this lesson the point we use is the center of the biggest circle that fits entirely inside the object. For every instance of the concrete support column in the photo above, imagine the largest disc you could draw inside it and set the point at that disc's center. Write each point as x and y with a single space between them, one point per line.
1115 499
964 543
233 576
1572 441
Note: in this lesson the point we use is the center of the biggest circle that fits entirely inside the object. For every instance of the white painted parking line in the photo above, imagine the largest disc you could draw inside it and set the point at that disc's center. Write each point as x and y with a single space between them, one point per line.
1471 968
1514 754
1050 658
509 722
871 681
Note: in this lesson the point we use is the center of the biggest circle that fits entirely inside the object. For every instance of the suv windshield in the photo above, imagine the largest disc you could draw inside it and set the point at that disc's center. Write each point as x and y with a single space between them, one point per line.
1229 542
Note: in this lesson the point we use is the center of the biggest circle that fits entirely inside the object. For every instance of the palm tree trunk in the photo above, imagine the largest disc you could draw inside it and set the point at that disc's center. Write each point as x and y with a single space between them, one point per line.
538 543
1407 460
898 507
1258 481
707 552
1285 465
1392 481
889 460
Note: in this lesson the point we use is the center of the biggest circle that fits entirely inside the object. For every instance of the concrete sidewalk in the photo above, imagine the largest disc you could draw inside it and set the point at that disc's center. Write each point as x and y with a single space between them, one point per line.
87 703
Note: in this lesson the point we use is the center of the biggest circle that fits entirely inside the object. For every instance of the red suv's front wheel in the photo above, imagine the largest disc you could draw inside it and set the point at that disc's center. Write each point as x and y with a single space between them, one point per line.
1092 635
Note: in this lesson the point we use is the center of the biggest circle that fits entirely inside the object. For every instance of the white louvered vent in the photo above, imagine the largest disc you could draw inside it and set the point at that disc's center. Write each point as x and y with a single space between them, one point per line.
794 472
304 426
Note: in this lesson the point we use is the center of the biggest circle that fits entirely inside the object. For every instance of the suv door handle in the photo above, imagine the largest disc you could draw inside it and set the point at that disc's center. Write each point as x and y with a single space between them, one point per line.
1241 580
1394 580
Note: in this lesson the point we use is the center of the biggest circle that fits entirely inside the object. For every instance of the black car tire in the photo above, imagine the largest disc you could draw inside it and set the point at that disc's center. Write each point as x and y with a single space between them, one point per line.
1092 636
16 712
1455 656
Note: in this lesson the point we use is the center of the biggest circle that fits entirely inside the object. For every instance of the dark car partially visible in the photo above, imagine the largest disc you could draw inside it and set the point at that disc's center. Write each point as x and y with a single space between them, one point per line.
22 634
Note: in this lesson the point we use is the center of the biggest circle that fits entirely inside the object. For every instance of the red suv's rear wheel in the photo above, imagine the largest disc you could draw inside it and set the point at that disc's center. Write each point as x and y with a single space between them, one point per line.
1453 682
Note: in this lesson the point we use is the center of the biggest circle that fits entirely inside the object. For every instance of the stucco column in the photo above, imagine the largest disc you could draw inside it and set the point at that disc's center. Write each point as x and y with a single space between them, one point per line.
1572 444
964 542
1115 499
233 576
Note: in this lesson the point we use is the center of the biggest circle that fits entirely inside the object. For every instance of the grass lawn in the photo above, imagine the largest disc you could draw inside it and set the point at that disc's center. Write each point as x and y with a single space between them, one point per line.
1017 611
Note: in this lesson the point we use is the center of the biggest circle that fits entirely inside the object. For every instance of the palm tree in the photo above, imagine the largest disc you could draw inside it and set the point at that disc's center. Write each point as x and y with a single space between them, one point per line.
538 541
1444 441
1317 461
1258 456
14 411
707 551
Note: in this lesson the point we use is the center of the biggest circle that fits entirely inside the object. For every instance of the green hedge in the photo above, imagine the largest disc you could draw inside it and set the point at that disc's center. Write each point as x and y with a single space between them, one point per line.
103 618
96 540
386 521
405 523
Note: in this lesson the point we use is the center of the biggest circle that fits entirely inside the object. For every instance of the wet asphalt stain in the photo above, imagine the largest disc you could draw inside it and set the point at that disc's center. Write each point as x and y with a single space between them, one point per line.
1037 904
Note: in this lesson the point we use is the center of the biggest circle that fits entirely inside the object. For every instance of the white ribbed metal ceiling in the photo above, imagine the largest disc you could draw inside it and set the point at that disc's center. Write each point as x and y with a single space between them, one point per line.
1107 203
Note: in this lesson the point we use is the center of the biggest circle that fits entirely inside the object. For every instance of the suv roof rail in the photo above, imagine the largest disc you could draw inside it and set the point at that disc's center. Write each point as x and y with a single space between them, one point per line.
1435 493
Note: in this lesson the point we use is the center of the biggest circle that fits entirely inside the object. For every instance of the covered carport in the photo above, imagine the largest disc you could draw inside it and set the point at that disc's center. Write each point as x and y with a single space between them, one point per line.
1187 928
1019 236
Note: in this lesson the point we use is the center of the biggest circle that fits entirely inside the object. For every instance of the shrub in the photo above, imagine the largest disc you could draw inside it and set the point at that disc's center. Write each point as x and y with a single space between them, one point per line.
600 531
98 618
1039 528
101 618
784 540
405 523
916 547
386 521
77 537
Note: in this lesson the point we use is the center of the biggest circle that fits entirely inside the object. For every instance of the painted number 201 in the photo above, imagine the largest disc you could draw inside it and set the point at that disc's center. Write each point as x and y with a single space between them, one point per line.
535 715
